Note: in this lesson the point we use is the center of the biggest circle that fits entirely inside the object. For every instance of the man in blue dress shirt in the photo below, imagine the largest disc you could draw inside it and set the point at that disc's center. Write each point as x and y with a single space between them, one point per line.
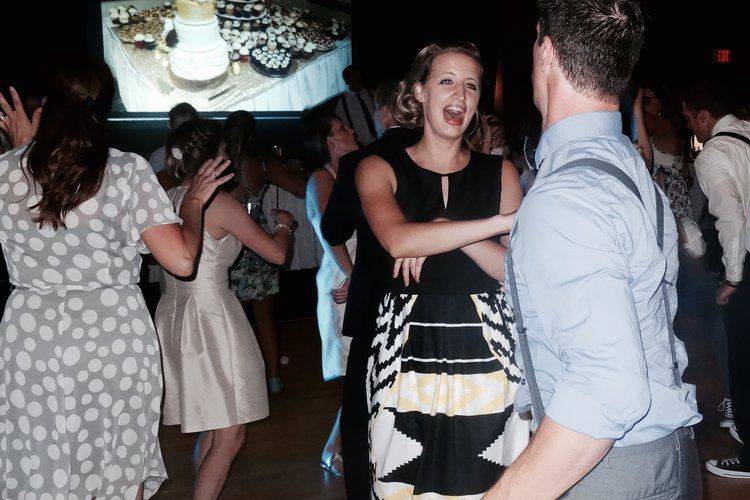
588 272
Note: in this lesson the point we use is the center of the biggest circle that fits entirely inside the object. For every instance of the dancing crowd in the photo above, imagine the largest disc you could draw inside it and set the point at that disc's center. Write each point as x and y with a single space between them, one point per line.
506 320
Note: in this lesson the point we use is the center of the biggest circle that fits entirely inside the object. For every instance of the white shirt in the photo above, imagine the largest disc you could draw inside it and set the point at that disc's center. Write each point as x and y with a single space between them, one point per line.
355 118
723 171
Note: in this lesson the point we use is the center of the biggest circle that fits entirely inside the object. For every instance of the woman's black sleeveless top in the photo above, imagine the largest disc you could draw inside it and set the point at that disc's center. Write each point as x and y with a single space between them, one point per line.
473 193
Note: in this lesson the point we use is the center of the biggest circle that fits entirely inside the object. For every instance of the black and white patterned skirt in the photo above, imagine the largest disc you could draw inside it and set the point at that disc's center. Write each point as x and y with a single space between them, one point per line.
440 388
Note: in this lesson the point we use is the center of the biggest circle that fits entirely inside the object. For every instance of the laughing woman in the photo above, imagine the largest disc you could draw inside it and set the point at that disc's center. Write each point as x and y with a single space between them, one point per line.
441 376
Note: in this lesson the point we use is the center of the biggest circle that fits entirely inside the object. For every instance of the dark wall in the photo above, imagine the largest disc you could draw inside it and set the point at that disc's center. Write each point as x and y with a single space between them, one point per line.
680 39
387 34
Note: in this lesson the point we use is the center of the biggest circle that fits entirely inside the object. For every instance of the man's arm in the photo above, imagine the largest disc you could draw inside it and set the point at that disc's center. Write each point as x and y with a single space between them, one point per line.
724 203
576 274
555 459
340 216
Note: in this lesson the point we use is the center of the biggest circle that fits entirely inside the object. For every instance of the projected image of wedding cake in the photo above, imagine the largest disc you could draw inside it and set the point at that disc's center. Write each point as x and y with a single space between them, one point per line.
201 55
224 55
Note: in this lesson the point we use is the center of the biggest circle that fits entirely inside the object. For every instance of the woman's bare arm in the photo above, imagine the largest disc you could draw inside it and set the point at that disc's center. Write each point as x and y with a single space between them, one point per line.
489 255
228 214
376 184
176 247
283 177
643 142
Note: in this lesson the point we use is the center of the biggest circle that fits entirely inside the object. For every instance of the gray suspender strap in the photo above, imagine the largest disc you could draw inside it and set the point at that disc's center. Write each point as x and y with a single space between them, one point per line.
523 344
665 293
536 398
630 184
606 168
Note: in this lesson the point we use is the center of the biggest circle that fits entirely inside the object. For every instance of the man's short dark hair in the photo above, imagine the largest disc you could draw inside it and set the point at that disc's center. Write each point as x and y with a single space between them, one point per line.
597 41
348 72
180 114
710 95
386 94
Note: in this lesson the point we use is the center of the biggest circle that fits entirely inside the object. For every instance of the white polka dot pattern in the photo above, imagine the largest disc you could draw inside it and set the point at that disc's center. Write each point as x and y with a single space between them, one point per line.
80 368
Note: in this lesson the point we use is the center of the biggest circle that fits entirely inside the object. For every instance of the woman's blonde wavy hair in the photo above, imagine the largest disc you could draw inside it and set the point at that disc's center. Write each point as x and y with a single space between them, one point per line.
408 110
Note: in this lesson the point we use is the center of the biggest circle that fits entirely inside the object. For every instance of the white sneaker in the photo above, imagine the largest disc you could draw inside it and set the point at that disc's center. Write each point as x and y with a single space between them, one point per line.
727 415
728 467
735 434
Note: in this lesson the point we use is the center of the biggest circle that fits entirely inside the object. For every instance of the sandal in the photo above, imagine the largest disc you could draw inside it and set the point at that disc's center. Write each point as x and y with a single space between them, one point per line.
333 464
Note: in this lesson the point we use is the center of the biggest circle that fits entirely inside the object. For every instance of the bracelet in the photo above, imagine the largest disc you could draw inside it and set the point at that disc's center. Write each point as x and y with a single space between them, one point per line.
288 228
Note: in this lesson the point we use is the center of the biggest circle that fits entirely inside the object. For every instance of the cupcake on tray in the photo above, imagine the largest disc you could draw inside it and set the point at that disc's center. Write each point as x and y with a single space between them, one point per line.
271 61
149 42
244 54
308 50
259 8
338 30
139 41
221 7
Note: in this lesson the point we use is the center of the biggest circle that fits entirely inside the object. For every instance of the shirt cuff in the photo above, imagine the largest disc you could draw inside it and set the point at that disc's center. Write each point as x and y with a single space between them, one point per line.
582 413
734 273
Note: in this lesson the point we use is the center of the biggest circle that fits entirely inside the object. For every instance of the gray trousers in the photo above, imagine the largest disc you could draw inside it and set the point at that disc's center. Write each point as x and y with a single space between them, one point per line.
665 469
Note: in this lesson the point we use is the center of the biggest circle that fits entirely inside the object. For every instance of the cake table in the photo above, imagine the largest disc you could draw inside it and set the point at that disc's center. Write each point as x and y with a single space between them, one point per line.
146 84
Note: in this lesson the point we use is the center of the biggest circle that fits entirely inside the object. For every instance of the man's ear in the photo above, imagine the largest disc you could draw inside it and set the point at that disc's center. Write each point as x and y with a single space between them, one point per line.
549 55
704 116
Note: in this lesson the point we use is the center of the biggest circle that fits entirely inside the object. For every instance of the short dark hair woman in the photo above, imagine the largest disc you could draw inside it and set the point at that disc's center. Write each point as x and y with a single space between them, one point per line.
81 369
441 376
254 280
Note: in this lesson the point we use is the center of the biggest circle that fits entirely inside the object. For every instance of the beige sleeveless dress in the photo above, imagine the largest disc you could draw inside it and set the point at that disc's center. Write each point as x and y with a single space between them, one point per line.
214 376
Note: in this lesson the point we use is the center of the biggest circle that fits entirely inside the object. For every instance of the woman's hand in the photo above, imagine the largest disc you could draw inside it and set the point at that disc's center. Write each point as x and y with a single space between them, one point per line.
16 123
283 217
505 221
408 266
207 180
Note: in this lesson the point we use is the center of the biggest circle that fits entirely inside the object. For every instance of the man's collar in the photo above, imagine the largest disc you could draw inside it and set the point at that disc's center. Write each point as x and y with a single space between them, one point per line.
567 130
723 123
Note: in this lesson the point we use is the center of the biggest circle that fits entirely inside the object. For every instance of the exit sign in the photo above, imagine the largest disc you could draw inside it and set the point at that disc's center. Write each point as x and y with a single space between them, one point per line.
722 56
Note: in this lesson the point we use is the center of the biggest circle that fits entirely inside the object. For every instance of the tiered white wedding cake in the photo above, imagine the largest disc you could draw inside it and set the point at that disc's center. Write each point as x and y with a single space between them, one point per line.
201 54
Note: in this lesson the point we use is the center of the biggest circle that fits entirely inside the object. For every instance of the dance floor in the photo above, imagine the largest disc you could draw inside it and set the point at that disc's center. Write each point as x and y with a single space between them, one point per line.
280 458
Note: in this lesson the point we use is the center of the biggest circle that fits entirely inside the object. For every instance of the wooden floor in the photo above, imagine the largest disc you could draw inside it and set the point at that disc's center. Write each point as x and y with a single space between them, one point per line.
281 456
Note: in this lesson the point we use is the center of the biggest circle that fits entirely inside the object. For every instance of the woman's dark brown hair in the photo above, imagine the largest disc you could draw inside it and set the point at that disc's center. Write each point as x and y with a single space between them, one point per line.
190 146
239 129
68 155
408 110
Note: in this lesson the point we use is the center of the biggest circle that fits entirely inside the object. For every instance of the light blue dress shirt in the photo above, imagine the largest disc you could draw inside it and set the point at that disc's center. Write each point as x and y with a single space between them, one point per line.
588 269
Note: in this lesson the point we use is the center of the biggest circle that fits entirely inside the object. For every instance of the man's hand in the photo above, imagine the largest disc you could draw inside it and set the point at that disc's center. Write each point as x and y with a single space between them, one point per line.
723 293
341 293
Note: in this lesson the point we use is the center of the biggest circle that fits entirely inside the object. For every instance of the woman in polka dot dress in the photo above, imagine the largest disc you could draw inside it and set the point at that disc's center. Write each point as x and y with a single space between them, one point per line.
80 372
